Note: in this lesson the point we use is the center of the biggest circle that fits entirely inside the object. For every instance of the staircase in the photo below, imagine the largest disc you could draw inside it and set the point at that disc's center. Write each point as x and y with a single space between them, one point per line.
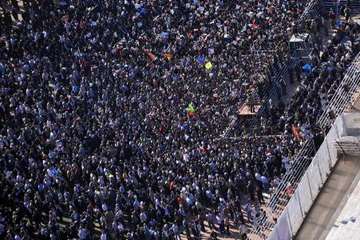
354 5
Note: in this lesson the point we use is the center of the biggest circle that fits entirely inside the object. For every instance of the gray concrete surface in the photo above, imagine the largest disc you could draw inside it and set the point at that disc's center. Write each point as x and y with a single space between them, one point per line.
331 200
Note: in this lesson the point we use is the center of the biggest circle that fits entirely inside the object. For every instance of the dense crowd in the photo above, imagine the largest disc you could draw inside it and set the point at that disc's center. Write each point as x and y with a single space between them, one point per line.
328 63
111 112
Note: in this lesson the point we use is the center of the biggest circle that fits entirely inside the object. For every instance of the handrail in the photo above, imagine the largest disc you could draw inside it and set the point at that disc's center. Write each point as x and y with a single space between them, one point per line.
303 158
309 187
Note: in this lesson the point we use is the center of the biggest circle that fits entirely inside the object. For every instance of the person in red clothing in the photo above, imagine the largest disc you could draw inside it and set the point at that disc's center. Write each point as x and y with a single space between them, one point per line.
289 190
296 132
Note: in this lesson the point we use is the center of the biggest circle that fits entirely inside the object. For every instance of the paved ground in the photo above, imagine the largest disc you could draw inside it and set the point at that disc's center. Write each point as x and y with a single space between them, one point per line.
347 225
325 215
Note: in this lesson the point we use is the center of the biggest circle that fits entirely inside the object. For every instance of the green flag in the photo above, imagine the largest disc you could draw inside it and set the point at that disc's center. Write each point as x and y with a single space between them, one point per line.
191 108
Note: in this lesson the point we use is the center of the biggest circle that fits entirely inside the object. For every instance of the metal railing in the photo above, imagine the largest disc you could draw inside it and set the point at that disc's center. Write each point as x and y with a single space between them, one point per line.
303 158
309 187
343 95
338 103
281 76
311 10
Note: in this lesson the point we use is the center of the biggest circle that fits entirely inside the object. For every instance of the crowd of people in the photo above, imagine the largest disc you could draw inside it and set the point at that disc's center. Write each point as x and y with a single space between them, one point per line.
111 112
317 85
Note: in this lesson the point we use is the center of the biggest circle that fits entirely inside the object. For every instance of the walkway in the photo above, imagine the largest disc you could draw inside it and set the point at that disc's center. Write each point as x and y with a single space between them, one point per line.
327 212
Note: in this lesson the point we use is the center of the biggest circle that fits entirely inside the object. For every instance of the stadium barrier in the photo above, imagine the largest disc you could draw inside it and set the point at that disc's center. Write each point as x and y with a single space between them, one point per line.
344 93
338 103
309 187
312 9
314 179
281 75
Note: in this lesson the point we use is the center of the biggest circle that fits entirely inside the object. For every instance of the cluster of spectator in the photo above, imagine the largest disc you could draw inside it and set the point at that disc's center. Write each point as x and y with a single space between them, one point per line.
111 112
328 63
